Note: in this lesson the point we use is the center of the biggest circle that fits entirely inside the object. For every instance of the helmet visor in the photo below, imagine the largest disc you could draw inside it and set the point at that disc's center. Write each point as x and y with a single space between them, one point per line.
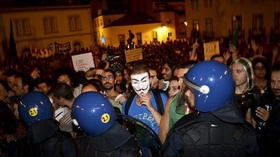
204 89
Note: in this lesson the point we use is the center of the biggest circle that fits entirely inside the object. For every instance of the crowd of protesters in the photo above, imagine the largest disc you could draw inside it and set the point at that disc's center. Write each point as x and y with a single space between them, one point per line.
166 62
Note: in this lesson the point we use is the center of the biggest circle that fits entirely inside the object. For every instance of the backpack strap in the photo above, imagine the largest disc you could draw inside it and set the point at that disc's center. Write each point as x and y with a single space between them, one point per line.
128 103
159 102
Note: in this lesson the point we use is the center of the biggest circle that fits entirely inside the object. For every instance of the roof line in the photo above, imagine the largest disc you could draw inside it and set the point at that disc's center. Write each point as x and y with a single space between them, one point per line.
40 8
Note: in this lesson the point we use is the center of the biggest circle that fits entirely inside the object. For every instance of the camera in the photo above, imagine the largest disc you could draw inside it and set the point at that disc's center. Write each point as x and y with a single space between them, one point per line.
109 59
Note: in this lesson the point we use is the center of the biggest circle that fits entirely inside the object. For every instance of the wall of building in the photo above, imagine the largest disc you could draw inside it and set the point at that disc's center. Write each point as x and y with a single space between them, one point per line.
168 19
177 11
99 23
222 12
111 33
39 33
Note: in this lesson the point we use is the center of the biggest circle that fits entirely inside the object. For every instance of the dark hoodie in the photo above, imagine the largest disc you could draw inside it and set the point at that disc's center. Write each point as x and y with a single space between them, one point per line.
219 133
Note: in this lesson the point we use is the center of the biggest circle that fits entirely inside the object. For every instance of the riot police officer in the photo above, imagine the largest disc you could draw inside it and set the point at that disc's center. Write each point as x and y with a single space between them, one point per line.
43 135
105 137
218 129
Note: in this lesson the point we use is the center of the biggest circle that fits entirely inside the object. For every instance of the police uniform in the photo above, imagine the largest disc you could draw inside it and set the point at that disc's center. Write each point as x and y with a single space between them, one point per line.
43 136
208 135
105 137
114 142
218 129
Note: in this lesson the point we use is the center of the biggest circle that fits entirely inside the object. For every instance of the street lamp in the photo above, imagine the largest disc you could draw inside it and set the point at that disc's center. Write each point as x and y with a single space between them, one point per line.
186 23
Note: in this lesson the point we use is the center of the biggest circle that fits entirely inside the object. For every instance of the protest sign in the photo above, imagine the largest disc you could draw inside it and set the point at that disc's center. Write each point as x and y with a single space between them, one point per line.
83 62
210 49
133 55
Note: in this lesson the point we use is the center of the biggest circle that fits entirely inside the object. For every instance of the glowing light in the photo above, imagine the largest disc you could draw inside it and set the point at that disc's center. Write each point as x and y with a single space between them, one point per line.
103 40
162 30
186 23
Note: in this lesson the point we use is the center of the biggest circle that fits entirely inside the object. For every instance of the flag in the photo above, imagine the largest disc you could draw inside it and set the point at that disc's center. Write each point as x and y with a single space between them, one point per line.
13 49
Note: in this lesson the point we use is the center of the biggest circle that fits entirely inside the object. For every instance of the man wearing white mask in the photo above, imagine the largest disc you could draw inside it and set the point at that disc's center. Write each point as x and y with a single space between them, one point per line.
144 104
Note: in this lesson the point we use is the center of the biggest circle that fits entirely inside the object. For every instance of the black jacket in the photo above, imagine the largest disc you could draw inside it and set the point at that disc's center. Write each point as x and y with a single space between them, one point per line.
219 133
253 99
115 142
46 140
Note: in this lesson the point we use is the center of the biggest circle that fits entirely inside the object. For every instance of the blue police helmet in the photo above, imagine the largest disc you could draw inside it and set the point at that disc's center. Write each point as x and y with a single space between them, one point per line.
93 113
212 85
35 106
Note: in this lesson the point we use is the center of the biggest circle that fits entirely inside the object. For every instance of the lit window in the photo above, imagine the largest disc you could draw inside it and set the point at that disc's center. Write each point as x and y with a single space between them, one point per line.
50 24
154 36
101 22
209 27
74 23
196 24
139 38
236 23
23 27
257 22
208 3
121 39
170 34
194 4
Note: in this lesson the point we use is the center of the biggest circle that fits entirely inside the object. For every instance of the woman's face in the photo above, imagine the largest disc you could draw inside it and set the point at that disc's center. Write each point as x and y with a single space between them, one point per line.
173 88
166 72
239 74
259 70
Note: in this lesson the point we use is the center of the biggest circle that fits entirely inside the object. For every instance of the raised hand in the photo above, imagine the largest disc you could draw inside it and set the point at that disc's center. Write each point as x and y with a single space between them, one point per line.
262 113
145 99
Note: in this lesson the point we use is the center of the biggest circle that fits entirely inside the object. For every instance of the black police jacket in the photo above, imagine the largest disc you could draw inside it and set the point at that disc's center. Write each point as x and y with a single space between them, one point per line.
219 133
115 142
45 140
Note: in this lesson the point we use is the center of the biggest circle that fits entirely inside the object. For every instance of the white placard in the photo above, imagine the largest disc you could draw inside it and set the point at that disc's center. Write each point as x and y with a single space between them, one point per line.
83 62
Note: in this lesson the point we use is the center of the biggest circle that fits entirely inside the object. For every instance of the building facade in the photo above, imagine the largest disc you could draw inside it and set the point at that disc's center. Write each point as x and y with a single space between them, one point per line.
144 32
99 22
221 18
148 20
175 7
58 29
